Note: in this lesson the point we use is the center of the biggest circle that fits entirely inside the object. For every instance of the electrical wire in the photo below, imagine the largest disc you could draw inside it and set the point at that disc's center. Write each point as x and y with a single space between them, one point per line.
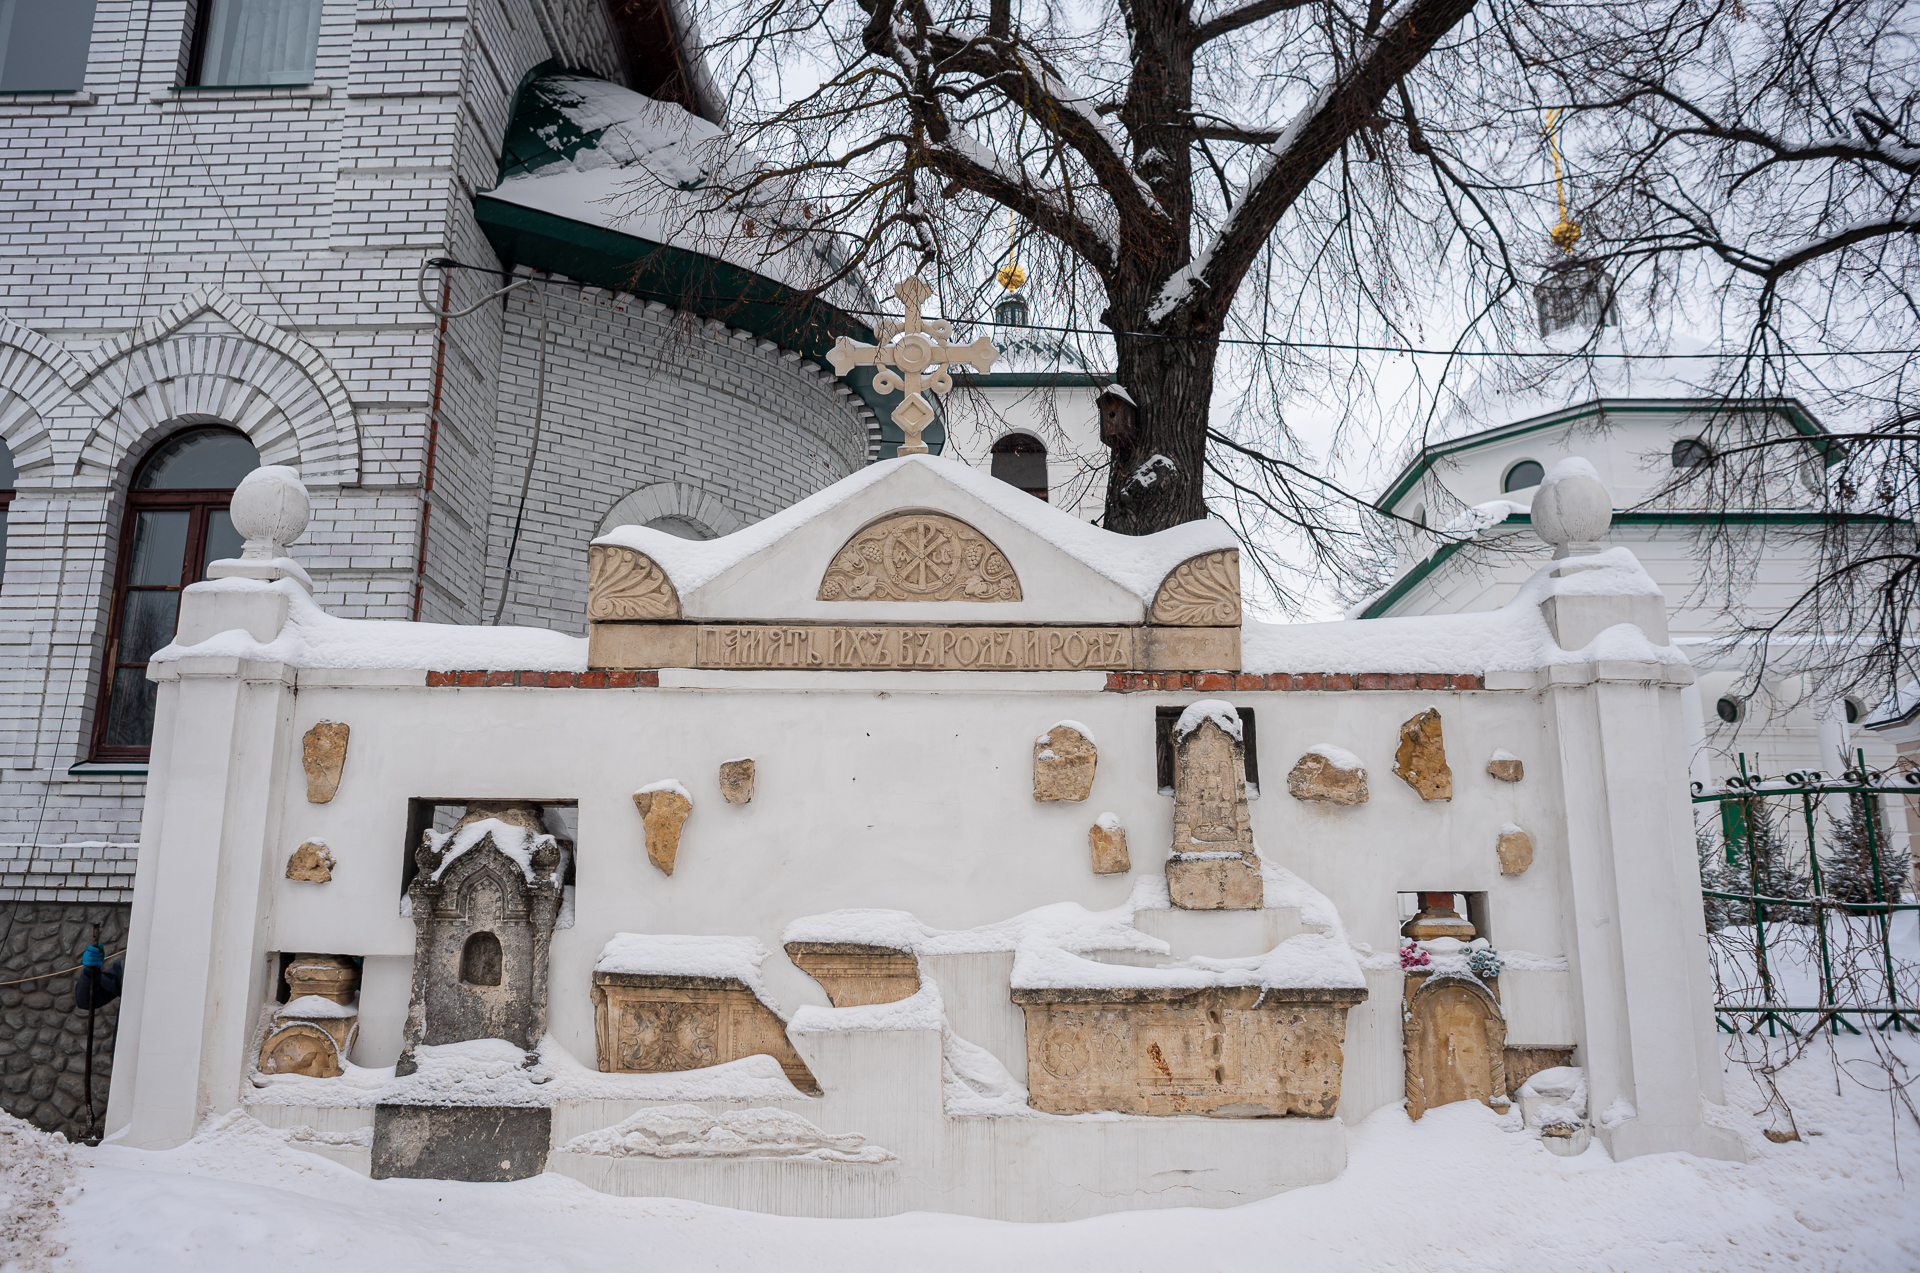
686 298
539 396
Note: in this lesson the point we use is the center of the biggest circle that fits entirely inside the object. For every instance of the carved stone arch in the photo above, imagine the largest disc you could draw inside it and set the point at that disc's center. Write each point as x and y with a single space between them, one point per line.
38 378
672 499
1455 1039
210 356
1201 591
919 556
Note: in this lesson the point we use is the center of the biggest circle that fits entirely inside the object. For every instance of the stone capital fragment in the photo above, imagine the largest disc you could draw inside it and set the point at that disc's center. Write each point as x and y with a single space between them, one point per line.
663 811
1316 776
1516 850
1064 759
736 781
1421 759
1109 841
1506 767
323 753
311 862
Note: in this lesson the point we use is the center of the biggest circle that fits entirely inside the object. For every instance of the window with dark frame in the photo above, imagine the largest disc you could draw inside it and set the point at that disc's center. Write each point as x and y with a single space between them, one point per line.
43 45
1165 718
254 43
1020 460
176 525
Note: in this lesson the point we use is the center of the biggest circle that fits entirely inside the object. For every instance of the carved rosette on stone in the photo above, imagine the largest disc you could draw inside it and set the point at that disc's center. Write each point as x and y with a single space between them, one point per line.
1201 592
1244 1052
625 585
646 1023
1213 865
314 1030
919 557
483 929
1456 1042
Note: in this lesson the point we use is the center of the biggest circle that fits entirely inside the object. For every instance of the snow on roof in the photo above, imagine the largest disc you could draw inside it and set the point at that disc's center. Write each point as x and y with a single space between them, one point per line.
314 638
1514 638
1896 709
515 842
1217 710
1137 563
624 162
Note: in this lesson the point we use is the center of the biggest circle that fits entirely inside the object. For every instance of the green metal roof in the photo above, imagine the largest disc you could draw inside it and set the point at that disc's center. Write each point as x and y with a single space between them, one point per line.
1795 415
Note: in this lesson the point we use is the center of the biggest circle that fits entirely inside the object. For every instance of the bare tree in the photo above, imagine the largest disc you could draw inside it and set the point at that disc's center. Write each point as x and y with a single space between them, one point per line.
1757 162
1179 171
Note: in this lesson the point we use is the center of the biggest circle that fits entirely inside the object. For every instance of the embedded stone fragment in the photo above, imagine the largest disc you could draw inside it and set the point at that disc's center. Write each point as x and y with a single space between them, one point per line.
323 751
311 862
856 973
1456 1041
1437 918
1064 759
1328 773
317 1025
1213 865
1109 841
1506 766
1421 759
1516 850
736 781
663 807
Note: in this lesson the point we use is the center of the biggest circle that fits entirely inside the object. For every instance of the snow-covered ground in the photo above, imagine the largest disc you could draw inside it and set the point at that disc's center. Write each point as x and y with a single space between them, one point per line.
1458 1191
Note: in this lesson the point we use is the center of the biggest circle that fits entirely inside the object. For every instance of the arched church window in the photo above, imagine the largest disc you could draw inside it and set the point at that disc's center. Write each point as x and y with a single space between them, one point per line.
6 504
1729 710
1691 453
1854 711
683 526
1522 475
176 525
1020 459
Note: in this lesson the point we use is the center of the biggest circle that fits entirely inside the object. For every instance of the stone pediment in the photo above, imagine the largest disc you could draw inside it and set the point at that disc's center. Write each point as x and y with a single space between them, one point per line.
917 562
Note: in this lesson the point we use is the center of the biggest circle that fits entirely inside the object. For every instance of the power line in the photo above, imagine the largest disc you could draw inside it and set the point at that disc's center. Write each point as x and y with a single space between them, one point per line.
685 298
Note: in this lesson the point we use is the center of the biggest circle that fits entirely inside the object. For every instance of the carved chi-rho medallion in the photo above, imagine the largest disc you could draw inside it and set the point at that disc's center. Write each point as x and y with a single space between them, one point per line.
920 557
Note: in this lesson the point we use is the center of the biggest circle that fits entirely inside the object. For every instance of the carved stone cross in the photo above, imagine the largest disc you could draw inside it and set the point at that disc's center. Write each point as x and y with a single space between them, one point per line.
918 360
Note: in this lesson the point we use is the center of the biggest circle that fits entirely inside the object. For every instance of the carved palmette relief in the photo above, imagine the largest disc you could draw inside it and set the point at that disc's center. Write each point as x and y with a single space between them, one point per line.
920 557
1201 592
624 584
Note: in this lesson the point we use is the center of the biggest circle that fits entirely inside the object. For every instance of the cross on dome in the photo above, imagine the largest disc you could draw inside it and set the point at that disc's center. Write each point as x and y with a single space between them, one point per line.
918 359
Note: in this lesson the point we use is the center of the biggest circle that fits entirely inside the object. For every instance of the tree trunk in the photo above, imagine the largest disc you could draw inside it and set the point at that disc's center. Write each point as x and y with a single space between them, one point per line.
1171 382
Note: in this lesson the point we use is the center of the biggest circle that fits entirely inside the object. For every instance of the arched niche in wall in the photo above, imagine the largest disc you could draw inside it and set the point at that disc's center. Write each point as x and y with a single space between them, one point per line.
675 507
1020 459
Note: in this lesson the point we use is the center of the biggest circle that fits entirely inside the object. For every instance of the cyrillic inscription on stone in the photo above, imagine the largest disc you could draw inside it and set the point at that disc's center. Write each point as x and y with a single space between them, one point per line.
934 648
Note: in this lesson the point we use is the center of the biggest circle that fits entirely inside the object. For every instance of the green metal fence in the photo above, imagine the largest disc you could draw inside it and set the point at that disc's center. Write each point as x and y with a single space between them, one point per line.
1788 912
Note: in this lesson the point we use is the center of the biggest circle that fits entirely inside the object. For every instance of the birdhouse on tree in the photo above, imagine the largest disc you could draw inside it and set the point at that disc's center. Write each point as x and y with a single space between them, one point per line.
1117 412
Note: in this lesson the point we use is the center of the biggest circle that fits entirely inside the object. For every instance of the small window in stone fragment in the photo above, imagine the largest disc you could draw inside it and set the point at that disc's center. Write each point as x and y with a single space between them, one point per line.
1165 718
1523 475
480 960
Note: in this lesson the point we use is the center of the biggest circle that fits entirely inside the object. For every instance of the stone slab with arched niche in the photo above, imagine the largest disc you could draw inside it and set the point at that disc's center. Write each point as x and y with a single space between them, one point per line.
917 564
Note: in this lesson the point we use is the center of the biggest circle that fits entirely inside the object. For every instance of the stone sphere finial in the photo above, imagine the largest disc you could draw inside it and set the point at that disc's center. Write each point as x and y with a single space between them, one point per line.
270 507
1572 509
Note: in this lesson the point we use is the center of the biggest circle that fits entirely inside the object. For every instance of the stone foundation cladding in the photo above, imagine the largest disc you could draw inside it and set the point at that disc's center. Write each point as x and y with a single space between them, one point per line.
250 255
1206 682
43 1037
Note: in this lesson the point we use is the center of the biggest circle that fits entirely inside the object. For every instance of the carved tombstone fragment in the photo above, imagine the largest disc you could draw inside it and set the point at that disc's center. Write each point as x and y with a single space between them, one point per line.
736 782
663 807
484 905
1108 840
316 1027
323 753
1064 759
1506 766
1516 850
856 973
1334 778
311 862
1213 865
1421 760
1456 1040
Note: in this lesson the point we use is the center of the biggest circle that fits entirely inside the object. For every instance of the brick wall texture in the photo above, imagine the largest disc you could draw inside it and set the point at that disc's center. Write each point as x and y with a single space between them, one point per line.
251 256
